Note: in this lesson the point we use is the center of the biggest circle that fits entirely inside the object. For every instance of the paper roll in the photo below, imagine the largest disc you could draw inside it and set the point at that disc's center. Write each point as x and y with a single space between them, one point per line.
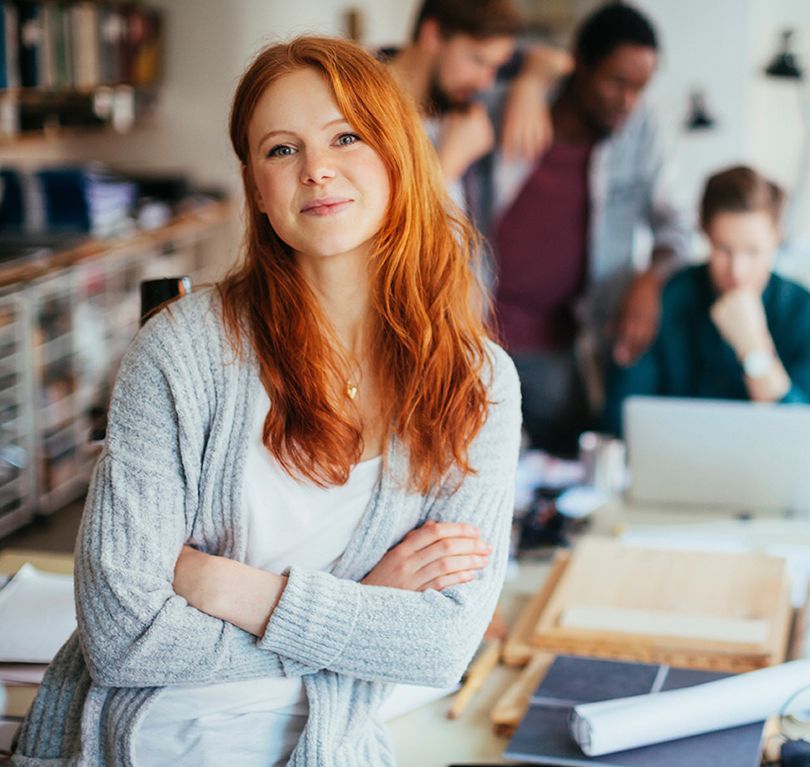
626 723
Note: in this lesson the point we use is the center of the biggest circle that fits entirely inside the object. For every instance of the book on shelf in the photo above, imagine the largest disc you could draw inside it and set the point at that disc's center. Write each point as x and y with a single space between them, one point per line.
9 46
30 43
58 46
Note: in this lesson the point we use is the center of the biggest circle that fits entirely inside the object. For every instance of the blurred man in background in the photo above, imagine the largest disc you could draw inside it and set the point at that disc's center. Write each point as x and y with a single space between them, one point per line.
456 50
570 293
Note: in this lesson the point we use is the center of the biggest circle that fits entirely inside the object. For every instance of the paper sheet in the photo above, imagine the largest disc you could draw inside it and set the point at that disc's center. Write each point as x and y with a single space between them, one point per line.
626 723
37 616
7 729
407 697
22 673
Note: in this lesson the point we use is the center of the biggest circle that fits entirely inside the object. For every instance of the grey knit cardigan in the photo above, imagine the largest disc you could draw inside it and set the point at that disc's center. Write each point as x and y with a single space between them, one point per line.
171 473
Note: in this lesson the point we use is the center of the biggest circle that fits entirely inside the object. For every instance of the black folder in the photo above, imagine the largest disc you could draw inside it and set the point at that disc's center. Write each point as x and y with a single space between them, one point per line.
543 736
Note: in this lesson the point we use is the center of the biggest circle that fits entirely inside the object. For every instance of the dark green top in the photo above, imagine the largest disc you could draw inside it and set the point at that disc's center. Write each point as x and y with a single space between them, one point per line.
689 358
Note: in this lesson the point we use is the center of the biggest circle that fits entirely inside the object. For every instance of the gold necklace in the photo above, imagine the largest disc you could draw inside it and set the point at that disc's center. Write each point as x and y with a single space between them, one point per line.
352 387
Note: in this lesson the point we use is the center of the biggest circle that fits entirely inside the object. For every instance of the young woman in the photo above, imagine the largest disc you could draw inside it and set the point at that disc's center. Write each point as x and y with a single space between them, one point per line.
307 484
730 328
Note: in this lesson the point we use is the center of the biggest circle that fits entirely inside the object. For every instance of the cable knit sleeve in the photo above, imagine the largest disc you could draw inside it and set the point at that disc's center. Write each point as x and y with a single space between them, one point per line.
134 630
386 634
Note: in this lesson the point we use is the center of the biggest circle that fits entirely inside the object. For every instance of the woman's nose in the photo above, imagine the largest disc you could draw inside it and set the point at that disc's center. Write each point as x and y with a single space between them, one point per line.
316 168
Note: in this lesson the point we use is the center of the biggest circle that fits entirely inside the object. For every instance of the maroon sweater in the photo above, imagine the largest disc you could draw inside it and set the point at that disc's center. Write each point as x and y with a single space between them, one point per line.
541 250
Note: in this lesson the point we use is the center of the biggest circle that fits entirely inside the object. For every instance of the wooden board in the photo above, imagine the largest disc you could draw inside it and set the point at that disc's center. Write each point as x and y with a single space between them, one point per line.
519 650
605 581
12 560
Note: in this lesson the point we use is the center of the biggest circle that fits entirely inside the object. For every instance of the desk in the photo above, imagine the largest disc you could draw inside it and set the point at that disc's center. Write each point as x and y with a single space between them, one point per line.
426 738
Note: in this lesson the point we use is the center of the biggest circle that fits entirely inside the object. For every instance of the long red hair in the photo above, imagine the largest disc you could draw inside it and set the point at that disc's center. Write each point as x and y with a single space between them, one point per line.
428 346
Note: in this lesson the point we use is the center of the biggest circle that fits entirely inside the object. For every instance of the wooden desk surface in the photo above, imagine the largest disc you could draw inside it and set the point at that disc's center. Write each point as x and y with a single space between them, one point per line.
426 738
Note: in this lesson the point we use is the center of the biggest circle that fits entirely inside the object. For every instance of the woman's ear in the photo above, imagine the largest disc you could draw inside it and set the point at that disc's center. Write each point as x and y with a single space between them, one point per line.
251 190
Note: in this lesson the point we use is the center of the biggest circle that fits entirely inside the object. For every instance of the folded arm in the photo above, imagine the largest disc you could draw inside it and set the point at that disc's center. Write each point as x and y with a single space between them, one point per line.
134 630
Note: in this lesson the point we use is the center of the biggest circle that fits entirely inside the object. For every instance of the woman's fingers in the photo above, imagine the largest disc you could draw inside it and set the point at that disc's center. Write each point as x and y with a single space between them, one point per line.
444 566
446 581
432 532
437 555
449 549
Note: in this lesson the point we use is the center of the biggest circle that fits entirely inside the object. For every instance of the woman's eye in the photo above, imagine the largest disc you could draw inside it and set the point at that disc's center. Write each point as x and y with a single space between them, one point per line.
346 139
282 150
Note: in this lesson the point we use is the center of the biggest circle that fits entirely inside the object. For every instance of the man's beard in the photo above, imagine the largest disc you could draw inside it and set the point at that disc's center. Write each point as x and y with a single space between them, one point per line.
440 102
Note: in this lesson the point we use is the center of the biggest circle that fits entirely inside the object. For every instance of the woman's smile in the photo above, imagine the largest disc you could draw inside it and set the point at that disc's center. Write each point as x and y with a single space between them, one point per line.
327 206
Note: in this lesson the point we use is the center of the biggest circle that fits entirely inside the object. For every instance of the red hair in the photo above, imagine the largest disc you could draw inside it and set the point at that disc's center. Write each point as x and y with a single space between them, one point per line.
428 346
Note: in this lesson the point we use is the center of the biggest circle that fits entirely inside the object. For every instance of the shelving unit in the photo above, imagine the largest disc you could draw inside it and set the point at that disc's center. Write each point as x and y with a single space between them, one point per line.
63 330
79 63
17 482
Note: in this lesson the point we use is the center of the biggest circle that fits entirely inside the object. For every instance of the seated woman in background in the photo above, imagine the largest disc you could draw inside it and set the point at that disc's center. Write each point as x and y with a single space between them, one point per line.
306 488
730 328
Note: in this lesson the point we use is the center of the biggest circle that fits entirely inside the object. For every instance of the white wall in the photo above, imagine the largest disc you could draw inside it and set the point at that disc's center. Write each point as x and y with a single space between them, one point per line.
705 46
717 45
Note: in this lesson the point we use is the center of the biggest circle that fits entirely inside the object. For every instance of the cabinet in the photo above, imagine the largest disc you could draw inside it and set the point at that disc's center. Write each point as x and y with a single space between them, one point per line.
63 330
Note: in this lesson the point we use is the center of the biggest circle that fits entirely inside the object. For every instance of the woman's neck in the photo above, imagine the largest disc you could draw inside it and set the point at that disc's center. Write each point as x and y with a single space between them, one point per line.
341 286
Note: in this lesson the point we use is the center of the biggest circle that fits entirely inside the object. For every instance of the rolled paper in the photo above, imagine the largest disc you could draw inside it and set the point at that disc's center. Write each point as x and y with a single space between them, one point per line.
626 723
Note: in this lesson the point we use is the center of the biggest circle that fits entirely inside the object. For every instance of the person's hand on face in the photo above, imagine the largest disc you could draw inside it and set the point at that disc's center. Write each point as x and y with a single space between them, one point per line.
740 263
739 317
638 319
435 556
466 136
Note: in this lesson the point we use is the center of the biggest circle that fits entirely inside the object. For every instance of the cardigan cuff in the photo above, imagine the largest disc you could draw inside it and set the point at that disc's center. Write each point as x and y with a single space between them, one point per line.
313 620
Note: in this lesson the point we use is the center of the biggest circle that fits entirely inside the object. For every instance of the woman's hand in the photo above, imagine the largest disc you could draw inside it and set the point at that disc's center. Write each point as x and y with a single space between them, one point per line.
231 591
435 556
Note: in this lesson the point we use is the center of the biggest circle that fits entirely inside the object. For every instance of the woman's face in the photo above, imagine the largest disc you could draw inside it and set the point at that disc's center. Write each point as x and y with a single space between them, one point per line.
743 246
323 189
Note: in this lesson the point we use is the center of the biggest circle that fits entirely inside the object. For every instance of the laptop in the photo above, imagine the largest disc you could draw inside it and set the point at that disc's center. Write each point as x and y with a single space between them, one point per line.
735 455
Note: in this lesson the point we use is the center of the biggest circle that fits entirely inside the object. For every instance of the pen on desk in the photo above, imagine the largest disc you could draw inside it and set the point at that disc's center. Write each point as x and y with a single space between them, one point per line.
477 674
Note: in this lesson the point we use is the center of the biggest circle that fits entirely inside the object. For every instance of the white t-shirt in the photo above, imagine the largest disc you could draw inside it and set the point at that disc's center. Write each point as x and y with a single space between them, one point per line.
257 722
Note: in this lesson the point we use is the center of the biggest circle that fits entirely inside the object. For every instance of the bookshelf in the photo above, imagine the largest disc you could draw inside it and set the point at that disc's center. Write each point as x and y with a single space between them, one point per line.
76 64
66 318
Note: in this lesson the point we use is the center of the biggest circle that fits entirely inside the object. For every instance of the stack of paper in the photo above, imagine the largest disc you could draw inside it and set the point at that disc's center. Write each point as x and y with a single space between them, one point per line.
37 616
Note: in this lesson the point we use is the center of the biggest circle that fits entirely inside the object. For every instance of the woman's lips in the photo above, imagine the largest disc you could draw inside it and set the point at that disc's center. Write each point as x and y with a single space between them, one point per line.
326 206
